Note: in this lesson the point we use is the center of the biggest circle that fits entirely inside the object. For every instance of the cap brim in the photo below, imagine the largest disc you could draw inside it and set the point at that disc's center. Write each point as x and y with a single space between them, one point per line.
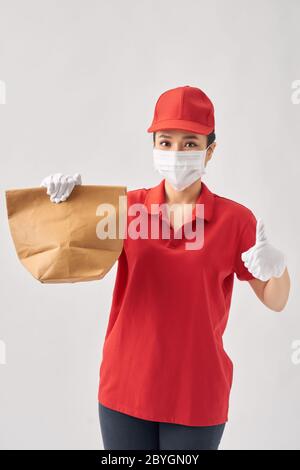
181 125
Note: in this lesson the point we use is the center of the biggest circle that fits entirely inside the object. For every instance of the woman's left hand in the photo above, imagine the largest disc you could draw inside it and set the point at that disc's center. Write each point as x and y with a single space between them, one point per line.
263 260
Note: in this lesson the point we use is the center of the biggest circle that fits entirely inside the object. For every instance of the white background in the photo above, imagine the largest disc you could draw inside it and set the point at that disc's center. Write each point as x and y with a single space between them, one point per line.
82 79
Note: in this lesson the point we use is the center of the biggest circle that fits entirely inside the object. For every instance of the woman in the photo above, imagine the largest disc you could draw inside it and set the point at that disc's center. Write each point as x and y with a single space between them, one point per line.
165 378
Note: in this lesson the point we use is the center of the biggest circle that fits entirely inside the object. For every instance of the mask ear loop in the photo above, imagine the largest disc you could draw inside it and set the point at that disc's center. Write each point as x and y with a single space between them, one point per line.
204 164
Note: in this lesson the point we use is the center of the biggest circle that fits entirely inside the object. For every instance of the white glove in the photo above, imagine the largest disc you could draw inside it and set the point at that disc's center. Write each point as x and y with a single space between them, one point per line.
59 186
263 260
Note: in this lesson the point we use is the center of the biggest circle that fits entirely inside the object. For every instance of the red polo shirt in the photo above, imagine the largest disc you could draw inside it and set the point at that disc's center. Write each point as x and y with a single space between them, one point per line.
163 357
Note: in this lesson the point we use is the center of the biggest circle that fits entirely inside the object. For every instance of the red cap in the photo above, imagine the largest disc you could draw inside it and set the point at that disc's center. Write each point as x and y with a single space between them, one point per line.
184 108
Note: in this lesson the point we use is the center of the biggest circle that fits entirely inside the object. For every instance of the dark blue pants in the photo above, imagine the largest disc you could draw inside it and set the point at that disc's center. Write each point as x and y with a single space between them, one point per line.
121 431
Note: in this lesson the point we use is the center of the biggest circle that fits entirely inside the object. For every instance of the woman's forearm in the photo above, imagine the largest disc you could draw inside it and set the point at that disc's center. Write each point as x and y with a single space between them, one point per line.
276 292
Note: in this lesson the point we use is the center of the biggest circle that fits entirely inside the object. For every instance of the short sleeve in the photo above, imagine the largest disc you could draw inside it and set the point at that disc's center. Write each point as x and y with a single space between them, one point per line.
247 239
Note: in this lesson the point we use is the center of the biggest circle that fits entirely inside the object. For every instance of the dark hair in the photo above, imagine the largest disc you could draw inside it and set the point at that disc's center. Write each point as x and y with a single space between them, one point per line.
210 138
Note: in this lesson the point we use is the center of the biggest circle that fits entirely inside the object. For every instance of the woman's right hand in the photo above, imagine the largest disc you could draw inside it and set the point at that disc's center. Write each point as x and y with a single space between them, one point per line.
60 186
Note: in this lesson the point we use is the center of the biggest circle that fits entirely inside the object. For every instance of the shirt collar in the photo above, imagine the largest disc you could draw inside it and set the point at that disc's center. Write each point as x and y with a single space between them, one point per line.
156 195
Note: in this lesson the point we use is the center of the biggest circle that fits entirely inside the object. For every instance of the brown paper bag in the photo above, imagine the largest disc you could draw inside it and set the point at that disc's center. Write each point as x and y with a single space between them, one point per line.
59 242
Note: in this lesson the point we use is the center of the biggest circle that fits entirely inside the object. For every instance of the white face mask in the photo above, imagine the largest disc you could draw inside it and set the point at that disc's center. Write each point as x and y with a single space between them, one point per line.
180 167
